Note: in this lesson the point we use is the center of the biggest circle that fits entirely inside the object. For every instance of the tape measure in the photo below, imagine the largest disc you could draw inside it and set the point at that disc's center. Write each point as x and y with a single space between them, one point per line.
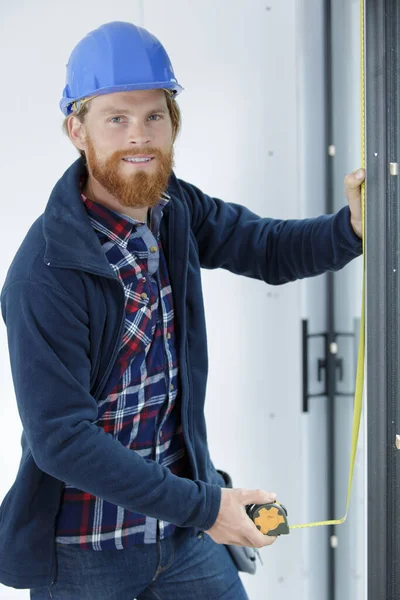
271 519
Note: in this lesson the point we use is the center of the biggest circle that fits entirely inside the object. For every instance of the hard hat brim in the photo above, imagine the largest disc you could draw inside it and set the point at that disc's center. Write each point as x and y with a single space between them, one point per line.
66 103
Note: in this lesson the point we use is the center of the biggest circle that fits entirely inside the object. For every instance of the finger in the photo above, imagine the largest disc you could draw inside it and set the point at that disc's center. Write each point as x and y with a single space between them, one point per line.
256 538
354 179
266 540
269 539
260 541
257 497
353 183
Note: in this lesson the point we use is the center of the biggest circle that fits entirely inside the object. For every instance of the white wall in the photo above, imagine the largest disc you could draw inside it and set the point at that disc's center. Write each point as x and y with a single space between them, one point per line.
243 65
311 174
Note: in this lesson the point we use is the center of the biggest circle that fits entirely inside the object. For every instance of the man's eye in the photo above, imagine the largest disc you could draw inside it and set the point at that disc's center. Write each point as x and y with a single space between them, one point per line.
120 117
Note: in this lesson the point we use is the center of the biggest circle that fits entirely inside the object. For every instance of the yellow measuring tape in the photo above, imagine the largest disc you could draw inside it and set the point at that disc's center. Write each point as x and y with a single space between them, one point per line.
361 348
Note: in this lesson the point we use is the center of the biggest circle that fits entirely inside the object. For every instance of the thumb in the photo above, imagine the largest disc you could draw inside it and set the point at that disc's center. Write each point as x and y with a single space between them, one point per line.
353 183
258 497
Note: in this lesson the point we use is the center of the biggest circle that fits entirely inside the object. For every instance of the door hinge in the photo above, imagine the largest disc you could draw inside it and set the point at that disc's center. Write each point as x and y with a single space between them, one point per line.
330 361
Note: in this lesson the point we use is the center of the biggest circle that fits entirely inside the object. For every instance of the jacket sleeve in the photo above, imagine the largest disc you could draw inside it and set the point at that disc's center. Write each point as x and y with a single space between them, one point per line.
49 346
231 237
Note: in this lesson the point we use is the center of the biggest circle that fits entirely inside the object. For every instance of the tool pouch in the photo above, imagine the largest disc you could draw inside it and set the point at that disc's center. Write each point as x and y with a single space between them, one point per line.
244 557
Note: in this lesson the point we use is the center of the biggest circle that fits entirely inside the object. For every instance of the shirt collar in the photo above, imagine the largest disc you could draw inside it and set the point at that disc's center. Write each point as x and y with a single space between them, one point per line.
116 226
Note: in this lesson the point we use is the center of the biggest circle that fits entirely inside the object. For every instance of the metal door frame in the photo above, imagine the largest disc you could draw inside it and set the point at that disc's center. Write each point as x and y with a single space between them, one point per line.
382 26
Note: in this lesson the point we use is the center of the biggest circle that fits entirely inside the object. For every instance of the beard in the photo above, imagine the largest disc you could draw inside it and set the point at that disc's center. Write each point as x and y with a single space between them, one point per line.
142 187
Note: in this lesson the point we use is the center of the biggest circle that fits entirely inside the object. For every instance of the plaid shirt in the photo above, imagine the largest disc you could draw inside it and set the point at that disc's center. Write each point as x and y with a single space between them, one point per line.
140 405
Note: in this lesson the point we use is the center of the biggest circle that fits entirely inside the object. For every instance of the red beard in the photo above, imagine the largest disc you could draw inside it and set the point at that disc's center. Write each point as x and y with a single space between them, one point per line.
139 189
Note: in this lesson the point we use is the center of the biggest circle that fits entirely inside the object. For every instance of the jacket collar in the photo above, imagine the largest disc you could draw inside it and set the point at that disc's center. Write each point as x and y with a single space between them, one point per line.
69 235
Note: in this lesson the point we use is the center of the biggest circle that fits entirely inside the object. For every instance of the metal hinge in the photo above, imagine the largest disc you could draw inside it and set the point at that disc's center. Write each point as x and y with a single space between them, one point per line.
330 360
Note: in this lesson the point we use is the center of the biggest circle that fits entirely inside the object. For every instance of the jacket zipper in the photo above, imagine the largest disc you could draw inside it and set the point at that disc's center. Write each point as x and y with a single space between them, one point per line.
186 382
99 389
190 407
122 323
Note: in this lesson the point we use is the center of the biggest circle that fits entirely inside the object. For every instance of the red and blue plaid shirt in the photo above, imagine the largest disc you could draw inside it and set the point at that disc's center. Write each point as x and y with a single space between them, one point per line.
140 405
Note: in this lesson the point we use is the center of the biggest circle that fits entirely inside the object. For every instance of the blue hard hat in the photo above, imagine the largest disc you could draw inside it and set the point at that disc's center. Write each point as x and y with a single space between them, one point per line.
117 57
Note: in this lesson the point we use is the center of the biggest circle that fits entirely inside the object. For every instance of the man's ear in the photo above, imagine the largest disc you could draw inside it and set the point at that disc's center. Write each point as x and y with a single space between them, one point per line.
77 133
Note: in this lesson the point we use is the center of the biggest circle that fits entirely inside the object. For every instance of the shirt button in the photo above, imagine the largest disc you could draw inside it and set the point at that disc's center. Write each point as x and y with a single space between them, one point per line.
153 249
168 335
200 535
171 387
144 296
160 435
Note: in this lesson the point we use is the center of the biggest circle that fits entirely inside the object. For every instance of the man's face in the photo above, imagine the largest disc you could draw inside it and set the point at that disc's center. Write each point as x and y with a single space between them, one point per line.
128 124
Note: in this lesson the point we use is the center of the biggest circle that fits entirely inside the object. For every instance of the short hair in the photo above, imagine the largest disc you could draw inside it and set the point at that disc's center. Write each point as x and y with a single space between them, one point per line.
173 108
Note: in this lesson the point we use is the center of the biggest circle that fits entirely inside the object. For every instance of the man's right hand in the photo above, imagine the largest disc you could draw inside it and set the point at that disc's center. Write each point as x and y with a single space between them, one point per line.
233 525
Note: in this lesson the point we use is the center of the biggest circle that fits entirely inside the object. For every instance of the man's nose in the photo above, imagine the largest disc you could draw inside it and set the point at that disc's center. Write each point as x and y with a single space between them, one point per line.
138 133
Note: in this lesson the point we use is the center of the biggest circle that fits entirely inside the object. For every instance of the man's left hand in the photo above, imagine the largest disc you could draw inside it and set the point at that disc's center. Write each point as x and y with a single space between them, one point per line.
353 183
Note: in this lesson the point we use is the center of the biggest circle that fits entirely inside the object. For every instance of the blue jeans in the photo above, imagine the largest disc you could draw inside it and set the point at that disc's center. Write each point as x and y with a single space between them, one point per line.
184 566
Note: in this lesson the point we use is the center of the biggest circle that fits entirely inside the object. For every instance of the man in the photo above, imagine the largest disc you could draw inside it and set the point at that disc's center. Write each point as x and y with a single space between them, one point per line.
107 340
